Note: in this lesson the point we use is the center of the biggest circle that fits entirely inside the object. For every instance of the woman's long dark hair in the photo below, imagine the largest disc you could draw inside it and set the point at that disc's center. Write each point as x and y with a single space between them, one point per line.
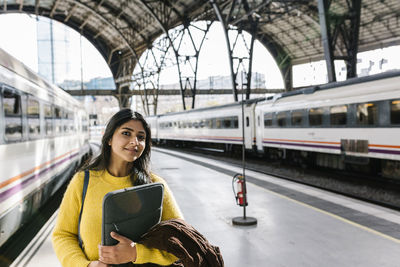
140 173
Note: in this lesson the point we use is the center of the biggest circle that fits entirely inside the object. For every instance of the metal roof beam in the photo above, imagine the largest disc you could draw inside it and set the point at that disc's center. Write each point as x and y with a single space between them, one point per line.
251 12
53 9
326 39
70 13
117 30
221 19
118 13
37 2
85 21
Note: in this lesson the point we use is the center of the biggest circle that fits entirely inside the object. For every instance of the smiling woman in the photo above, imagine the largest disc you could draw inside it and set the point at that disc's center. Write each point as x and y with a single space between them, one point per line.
123 162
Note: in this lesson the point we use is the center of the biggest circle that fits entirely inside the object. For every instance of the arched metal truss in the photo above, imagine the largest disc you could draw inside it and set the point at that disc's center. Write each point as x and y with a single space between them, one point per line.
239 14
177 49
148 76
340 30
187 61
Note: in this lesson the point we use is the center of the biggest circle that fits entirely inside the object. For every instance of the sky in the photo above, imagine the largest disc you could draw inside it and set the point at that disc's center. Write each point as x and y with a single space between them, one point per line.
19 38
17 31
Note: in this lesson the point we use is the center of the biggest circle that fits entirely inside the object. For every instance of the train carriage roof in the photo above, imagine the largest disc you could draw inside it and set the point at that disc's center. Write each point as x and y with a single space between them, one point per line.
353 81
17 67
246 102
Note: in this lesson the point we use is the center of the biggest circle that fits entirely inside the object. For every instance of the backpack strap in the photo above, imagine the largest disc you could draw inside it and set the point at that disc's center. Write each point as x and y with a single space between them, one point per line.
84 190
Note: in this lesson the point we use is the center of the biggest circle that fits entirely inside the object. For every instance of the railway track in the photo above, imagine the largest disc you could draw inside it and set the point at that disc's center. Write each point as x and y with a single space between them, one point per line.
372 189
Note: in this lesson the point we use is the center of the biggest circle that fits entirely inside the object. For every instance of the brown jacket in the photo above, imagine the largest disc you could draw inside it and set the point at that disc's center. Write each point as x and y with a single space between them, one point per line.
181 239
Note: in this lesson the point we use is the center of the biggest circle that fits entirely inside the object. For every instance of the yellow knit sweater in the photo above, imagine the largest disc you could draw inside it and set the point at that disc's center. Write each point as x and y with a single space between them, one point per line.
65 234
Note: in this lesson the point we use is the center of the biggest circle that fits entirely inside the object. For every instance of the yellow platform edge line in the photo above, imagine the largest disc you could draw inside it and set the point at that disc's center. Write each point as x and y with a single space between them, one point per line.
332 215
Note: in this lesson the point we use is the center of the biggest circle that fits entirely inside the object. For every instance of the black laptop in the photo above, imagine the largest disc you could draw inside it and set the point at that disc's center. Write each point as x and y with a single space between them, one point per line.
131 212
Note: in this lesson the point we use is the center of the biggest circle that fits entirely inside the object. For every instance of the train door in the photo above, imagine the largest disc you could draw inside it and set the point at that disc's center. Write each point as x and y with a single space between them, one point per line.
248 125
259 129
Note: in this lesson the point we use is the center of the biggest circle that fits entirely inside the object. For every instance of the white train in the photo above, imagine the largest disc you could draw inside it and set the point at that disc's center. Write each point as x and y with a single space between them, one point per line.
353 124
43 137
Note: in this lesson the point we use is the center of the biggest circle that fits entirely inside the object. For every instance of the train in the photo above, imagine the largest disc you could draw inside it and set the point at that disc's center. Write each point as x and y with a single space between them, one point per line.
353 125
44 137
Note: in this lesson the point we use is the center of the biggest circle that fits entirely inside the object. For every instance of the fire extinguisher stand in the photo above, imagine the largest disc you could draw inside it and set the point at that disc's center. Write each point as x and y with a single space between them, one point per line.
244 220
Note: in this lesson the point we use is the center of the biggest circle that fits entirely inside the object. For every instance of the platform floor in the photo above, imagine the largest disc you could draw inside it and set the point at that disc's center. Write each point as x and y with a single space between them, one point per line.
297 225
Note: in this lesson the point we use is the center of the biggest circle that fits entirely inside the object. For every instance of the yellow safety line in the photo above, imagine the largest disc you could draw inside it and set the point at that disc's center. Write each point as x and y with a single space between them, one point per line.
333 215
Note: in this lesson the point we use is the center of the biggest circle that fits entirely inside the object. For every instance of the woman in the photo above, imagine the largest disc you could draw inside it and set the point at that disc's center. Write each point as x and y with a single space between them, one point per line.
123 162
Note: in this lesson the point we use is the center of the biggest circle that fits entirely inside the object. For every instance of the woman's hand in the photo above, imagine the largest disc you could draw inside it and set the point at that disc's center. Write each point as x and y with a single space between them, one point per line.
98 264
123 252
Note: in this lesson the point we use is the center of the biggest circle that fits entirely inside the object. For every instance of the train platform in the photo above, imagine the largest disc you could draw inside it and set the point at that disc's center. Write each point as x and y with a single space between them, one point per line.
297 225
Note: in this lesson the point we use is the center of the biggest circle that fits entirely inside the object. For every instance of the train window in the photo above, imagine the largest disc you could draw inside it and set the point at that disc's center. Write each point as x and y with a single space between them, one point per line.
65 120
196 124
236 122
395 112
11 103
202 123
85 124
13 115
33 108
367 114
57 112
209 123
338 115
247 121
226 122
33 118
315 116
71 121
48 112
297 118
213 123
281 119
218 123
48 117
267 120
58 120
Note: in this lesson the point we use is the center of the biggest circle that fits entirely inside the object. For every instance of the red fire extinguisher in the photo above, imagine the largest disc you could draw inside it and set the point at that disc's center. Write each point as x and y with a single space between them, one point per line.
241 200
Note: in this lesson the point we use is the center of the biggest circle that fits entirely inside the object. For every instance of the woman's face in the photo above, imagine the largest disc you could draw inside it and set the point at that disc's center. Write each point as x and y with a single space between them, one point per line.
128 141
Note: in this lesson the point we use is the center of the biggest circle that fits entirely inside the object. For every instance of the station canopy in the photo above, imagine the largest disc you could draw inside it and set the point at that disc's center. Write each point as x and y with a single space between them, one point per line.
122 29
